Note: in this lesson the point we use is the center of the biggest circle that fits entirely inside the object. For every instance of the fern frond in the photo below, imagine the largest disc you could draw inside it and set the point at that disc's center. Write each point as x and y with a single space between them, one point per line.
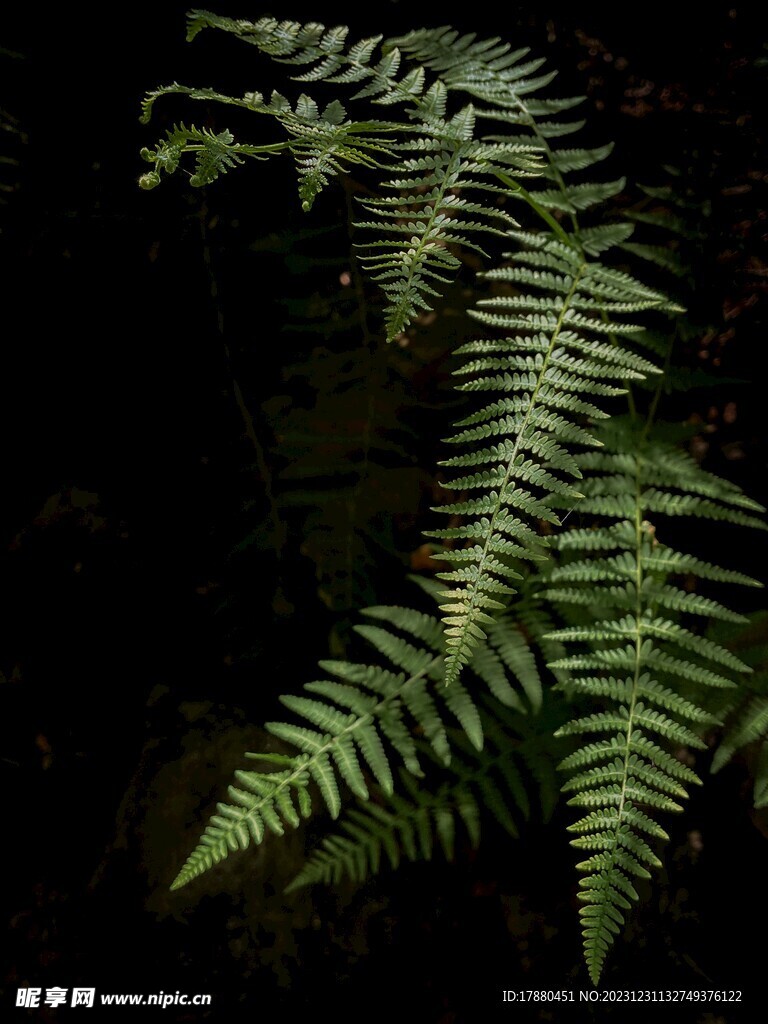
412 823
565 336
323 144
545 363
434 162
635 663
426 213
349 723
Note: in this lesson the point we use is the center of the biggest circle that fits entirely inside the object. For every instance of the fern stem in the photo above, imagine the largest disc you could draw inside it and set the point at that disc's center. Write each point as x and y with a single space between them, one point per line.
280 529
558 177
537 208
654 406
244 149
563 235
560 182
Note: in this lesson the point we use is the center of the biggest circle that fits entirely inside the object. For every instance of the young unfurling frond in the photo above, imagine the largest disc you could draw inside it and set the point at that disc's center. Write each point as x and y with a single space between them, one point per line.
438 182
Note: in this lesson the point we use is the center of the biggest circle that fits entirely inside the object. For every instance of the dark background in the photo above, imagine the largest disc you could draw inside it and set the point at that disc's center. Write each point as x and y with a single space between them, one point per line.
166 573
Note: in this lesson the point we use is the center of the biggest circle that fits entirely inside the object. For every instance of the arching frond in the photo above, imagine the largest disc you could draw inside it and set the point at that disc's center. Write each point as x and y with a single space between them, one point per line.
323 143
439 182
565 321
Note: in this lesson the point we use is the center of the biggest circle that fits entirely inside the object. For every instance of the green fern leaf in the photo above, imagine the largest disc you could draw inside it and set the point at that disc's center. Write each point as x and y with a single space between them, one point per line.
434 162
543 426
412 822
630 662
349 725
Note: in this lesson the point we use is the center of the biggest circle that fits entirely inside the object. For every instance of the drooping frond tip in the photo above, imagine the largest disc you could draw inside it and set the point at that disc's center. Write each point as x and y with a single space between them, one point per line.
636 662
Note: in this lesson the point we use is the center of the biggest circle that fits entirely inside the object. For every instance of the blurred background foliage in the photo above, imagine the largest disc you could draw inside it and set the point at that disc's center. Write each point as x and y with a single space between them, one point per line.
211 461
